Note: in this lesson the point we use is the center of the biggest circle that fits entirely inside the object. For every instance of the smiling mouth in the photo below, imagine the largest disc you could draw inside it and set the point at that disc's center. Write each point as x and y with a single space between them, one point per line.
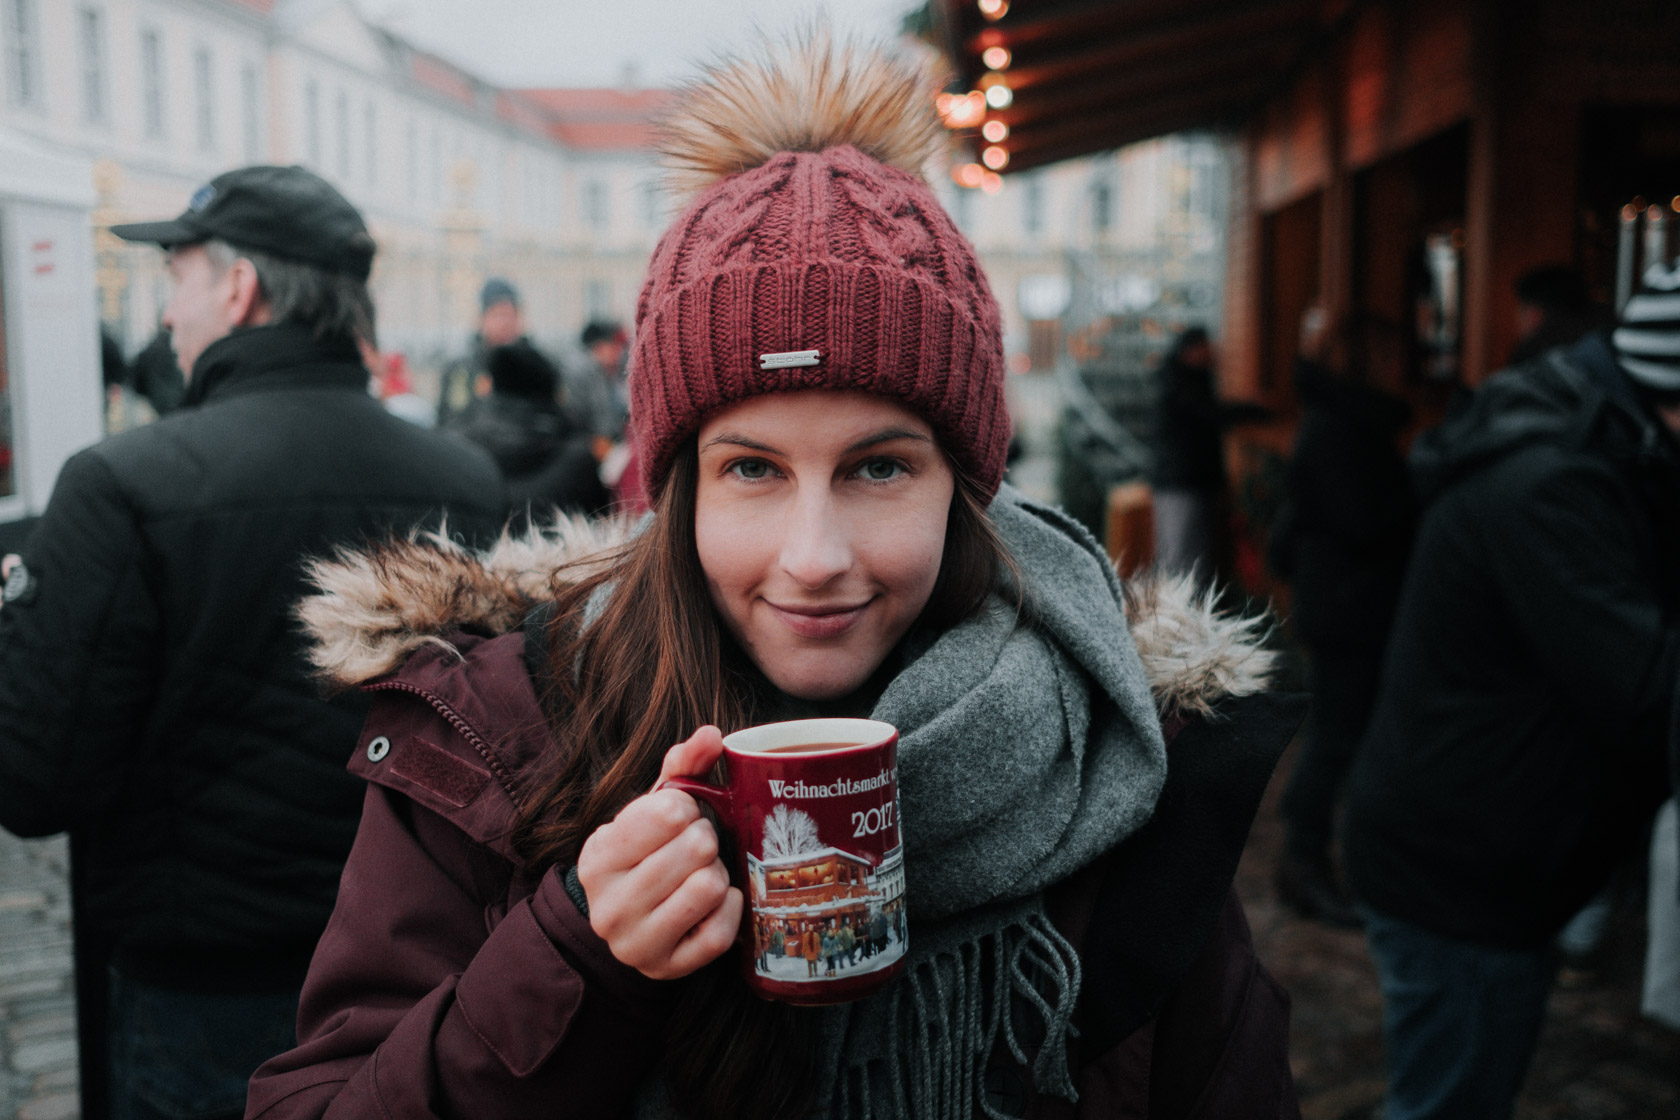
825 621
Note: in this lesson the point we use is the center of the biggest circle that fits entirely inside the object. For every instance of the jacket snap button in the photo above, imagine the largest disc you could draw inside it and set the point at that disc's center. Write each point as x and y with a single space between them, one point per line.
378 749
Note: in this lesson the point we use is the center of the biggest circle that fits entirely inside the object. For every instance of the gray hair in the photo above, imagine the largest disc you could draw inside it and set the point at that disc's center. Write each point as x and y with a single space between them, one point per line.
331 304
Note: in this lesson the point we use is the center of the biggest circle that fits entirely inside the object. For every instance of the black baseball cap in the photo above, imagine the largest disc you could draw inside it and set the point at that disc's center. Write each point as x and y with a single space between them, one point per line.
287 212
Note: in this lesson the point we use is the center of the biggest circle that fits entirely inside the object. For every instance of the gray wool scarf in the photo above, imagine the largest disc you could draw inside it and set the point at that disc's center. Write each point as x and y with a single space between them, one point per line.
1028 746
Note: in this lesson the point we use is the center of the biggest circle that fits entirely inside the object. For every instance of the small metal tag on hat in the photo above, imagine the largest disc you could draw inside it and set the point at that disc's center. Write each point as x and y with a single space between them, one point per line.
789 359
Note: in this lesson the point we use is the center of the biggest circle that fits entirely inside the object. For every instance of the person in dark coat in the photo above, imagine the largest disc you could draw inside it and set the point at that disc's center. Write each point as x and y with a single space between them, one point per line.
157 376
466 380
1519 746
1554 308
154 698
548 463
1341 541
529 917
1188 477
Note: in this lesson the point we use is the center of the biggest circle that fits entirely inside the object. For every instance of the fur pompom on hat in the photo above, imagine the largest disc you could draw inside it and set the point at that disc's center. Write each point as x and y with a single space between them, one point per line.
814 256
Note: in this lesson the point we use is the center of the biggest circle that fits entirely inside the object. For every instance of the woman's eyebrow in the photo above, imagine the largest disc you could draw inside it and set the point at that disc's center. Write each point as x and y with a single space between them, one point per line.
886 435
738 440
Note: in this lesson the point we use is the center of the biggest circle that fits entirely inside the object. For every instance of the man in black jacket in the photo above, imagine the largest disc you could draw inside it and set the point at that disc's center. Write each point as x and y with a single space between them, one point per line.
1518 748
155 701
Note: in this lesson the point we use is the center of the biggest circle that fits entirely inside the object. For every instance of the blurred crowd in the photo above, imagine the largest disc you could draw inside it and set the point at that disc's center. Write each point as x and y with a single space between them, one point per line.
1489 611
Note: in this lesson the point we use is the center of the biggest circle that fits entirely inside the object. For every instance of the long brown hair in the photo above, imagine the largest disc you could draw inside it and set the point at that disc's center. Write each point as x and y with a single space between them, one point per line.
626 685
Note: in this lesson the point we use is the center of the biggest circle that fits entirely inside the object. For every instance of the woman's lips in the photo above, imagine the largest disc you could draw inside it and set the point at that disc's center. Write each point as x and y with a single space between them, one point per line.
819 621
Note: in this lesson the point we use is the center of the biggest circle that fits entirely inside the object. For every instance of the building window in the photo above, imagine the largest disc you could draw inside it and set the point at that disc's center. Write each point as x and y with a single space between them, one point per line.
204 88
250 99
595 205
412 142
370 136
1032 204
23 53
90 29
437 166
151 81
653 204
312 121
1102 206
343 107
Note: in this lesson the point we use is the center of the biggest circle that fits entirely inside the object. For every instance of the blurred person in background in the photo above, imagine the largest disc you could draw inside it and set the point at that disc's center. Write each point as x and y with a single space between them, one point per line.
597 397
395 389
1191 487
597 392
1341 543
156 373
125 407
154 697
1553 309
1521 739
467 378
548 463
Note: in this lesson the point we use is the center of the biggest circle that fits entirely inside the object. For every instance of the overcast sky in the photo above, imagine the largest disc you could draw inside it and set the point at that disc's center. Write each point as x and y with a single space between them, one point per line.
592 42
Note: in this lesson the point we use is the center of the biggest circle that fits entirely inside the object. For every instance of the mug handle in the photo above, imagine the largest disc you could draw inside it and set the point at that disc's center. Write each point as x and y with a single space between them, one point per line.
715 796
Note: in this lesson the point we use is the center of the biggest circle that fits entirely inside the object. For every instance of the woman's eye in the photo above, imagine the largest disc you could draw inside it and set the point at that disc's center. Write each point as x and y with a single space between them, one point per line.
881 470
750 469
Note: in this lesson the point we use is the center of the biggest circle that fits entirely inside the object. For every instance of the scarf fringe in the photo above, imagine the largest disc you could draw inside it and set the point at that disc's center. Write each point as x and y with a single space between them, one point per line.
944 1021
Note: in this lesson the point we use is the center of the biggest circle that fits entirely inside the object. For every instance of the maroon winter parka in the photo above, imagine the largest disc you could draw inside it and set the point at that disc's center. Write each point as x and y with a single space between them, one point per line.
451 983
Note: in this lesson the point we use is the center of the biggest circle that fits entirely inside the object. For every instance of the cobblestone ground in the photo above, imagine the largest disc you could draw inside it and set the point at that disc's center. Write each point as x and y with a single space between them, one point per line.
1598 1058
37 998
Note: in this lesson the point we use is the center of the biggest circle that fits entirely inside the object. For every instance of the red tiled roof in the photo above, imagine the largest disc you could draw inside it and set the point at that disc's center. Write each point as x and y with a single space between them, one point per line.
601 119
442 77
261 7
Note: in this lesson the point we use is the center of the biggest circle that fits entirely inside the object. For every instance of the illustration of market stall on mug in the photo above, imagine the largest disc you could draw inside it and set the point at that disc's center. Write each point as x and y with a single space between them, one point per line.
820 911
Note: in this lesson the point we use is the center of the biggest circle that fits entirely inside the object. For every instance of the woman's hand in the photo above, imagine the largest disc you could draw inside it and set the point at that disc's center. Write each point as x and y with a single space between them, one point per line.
658 893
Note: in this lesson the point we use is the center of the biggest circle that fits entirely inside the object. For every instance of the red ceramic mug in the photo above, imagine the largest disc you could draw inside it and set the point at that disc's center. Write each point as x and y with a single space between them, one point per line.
812 808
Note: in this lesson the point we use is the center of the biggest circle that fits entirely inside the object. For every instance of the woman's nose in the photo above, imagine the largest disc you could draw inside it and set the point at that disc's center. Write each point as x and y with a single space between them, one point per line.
815 543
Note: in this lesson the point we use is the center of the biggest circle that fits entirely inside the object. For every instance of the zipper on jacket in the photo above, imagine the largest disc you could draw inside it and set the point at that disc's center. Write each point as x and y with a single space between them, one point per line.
460 724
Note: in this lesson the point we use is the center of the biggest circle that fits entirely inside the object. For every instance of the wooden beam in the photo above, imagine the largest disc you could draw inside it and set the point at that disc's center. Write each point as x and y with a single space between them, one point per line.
1237 63
1118 129
1190 111
1177 40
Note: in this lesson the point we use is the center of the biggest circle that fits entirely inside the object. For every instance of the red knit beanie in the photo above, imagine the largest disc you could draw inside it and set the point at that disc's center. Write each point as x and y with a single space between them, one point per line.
811 261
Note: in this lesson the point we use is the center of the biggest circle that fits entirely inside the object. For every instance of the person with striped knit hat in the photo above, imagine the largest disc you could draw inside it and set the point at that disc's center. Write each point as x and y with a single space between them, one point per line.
1521 740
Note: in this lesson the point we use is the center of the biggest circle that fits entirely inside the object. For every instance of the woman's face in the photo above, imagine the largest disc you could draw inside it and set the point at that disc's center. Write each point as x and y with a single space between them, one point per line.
820 520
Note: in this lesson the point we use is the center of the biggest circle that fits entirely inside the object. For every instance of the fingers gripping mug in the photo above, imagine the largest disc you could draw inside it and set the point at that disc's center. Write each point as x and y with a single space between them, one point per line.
812 808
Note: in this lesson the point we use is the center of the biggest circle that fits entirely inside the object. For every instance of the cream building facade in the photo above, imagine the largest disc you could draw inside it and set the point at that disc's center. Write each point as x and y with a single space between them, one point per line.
458 179
555 189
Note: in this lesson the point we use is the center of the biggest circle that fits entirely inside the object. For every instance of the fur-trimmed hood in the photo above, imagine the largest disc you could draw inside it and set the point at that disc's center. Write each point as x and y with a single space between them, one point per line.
376 606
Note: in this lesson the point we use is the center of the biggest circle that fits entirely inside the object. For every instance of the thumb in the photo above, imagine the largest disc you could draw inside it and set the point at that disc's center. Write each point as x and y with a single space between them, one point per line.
693 756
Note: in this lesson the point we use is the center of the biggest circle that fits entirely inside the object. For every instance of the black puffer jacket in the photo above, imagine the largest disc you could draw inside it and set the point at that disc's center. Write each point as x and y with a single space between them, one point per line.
1518 746
154 699
548 463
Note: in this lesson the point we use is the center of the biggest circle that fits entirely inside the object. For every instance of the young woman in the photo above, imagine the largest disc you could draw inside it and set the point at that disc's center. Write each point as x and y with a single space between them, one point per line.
528 928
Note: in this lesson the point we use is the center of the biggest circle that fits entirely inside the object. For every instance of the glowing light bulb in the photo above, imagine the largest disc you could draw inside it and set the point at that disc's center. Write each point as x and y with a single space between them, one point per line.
991 182
995 158
995 131
968 175
994 9
1000 96
996 58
